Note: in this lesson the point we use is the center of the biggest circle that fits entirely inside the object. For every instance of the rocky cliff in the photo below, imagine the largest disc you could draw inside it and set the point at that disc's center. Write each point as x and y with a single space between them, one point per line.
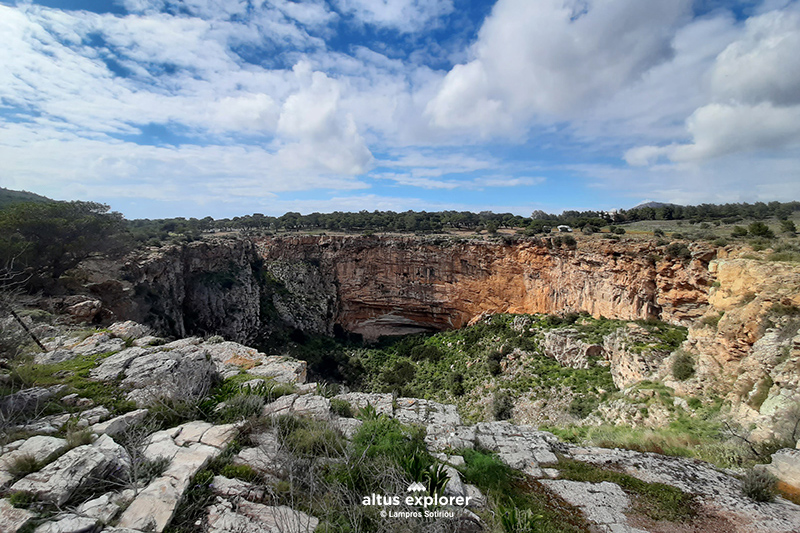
395 285
245 288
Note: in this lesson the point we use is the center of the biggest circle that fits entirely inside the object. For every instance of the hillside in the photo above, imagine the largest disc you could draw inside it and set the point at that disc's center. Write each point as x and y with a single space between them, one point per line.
123 431
10 197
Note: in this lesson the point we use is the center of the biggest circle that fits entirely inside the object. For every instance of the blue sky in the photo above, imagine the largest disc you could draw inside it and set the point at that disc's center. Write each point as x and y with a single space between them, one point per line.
165 108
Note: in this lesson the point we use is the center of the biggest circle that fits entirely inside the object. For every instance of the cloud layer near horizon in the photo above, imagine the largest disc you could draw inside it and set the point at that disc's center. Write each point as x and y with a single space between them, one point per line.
288 104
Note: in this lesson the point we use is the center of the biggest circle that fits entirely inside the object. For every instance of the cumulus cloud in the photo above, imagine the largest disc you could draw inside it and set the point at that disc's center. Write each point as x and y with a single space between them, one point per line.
754 93
554 58
323 131
403 15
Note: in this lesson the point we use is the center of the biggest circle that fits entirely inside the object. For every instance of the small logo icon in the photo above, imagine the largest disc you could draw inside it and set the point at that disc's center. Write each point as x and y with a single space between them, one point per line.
416 487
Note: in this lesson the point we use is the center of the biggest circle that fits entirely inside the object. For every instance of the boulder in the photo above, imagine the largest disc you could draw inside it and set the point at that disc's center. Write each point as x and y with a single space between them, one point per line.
69 523
282 369
120 424
566 347
86 310
13 519
169 374
316 407
423 412
103 508
79 469
786 466
236 488
520 447
114 366
383 403
603 503
257 518
27 401
40 447
129 330
183 446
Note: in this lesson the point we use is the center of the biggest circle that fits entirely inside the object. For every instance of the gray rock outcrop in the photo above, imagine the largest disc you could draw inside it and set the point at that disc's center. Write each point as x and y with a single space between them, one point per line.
80 469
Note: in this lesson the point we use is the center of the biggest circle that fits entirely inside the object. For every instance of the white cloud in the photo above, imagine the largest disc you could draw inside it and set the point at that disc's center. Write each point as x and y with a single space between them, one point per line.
553 59
754 93
402 15
104 166
324 133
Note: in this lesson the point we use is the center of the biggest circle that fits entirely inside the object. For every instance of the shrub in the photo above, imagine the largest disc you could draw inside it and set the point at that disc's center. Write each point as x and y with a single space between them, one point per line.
456 382
502 406
240 407
243 472
759 485
23 465
516 520
486 470
398 375
678 251
341 407
682 366
79 437
21 499
712 320
759 229
148 469
386 437
582 406
305 437
658 233
787 226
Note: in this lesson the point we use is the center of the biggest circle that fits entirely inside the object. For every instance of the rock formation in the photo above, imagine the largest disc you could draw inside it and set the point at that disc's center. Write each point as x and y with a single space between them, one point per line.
245 288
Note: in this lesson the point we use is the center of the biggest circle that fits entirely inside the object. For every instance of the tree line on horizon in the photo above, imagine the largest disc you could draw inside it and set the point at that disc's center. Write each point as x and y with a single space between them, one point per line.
43 239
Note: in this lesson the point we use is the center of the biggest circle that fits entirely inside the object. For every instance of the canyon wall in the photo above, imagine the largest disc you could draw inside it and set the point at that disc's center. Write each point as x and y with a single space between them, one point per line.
246 288
394 285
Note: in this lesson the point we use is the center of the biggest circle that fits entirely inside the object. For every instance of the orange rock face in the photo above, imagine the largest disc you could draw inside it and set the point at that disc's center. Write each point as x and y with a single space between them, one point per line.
392 285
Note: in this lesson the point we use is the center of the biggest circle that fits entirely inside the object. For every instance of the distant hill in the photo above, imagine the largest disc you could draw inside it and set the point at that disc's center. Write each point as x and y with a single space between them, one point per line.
655 205
9 197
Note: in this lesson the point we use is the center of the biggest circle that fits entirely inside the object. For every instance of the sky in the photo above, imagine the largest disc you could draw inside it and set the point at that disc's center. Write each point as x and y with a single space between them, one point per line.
222 108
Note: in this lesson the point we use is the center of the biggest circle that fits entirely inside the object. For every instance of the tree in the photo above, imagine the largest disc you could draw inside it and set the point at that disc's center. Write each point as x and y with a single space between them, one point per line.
50 238
787 226
759 229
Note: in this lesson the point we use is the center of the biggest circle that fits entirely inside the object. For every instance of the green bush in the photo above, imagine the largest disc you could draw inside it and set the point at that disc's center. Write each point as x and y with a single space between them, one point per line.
456 383
515 520
682 366
341 408
759 485
486 470
787 226
502 406
306 437
759 229
582 406
240 407
387 437
147 470
22 465
21 499
678 250
243 472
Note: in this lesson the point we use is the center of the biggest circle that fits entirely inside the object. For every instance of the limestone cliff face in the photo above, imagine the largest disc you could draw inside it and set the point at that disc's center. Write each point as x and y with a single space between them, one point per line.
747 345
200 288
243 288
395 285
